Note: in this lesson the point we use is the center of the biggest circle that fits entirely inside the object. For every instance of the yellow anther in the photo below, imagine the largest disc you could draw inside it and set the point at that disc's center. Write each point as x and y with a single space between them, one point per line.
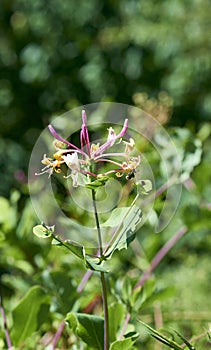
94 147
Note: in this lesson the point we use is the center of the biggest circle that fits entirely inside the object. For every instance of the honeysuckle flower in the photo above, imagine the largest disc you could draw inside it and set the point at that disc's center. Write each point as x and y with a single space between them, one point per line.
83 160
51 165
71 160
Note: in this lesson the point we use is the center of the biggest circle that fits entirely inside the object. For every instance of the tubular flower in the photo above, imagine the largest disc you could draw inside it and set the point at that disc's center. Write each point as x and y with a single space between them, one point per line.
83 160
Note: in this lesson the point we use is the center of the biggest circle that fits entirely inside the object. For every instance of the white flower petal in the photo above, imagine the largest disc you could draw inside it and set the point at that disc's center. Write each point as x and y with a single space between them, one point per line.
71 160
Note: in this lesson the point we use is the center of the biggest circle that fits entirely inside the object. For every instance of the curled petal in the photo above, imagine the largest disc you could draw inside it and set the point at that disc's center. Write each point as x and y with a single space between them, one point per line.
84 133
112 137
124 130
59 138
84 118
129 146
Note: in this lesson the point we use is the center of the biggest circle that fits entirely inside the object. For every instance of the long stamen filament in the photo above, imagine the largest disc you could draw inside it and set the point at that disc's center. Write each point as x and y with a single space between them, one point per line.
110 155
109 161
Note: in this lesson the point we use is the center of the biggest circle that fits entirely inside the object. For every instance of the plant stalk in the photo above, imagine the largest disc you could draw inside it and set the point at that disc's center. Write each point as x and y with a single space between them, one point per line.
102 277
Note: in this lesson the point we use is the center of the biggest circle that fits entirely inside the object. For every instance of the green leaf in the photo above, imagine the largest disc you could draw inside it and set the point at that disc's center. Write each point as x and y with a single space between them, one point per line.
97 183
126 343
8 214
27 220
116 316
116 217
28 315
147 290
78 250
75 248
94 264
163 339
126 230
189 149
191 347
60 283
127 290
42 231
88 327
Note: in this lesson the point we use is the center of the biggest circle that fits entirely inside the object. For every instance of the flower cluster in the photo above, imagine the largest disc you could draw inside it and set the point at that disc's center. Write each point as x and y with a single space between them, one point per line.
83 160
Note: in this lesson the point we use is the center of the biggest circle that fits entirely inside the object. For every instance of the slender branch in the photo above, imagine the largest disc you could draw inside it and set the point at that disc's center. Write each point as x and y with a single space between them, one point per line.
58 335
84 280
105 307
160 255
102 277
8 340
127 319
97 224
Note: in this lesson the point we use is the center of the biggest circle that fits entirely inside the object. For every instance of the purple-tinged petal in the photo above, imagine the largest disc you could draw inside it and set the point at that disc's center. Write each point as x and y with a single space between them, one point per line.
124 129
84 118
111 140
84 133
58 137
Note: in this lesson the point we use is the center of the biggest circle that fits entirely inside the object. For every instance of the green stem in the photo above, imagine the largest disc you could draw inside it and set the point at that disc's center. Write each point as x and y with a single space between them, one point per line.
102 277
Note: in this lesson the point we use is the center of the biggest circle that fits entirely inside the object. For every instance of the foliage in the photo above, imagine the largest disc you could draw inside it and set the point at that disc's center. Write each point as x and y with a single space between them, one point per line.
30 274
56 55
48 64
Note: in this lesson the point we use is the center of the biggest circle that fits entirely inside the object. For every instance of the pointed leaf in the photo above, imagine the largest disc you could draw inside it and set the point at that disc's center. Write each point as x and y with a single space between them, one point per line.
88 327
116 217
79 251
28 314
75 248
191 347
160 337
126 343
116 316
126 230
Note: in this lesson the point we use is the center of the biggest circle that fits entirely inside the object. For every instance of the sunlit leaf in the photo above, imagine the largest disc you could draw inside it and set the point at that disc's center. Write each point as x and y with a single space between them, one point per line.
126 231
88 327
163 339
95 264
78 250
75 248
116 217
41 231
126 343
28 315
116 316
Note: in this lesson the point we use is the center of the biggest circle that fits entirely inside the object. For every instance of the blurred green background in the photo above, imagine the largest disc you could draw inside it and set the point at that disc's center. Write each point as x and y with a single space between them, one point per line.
55 55
59 54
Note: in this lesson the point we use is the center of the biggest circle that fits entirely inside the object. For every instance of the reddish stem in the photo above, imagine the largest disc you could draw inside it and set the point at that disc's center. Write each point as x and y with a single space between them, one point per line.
58 335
